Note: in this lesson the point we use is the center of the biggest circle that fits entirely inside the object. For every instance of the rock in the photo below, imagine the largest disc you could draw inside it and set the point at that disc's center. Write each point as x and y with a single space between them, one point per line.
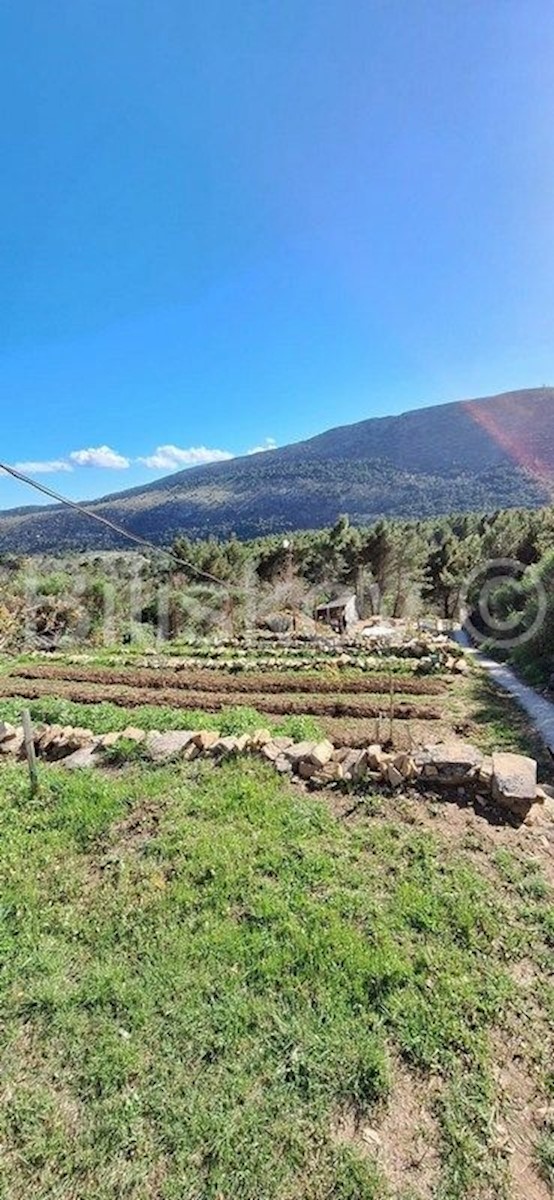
272 752
84 735
453 762
163 747
332 772
132 734
342 752
514 782
485 772
394 776
535 815
298 750
354 766
13 745
191 752
376 757
282 743
205 739
228 745
111 739
60 744
282 765
260 738
44 734
7 731
322 753
305 767
87 756
404 763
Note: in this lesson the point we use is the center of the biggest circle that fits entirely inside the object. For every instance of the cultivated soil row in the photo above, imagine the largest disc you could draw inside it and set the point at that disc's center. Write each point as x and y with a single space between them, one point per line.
205 681
281 704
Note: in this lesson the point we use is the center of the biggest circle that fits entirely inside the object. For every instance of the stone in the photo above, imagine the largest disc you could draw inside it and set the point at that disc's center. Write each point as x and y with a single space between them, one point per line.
514 782
205 739
376 757
332 772
342 753
13 745
46 734
535 815
299 750
485 772
260 738
84 735
354 766
191 752
404 763
454 762
133 734
394 776
282 765
282 743
87 756
163 747
225 746
322 753
111 739
305 768
7 731
271 752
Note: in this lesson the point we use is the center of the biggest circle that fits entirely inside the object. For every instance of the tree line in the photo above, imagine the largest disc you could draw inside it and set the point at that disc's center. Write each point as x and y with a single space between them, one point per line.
400 568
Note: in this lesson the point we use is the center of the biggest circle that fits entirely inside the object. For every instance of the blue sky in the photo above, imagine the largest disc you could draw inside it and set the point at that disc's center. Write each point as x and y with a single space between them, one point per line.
241 222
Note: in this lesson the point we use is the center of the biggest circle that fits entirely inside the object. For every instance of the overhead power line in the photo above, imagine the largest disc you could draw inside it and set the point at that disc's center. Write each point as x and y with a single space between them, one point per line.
87 512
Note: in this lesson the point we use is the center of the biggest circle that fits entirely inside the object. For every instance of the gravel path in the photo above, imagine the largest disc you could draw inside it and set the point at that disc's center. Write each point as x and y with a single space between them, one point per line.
538 708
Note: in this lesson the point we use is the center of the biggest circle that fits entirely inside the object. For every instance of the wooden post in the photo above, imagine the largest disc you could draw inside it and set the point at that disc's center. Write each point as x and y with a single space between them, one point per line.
391 707
29 744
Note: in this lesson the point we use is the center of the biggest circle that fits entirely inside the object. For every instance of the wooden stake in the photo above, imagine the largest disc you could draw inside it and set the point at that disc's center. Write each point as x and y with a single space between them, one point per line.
391 707
29 744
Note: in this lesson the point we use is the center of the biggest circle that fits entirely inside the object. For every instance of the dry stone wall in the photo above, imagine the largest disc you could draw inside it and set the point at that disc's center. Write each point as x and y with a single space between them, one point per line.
509 781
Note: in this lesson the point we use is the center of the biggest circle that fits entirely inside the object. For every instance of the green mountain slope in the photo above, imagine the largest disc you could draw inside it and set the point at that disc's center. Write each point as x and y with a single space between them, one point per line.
482 454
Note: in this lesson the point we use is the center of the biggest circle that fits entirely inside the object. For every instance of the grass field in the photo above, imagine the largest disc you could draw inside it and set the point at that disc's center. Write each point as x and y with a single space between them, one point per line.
215 987
218 987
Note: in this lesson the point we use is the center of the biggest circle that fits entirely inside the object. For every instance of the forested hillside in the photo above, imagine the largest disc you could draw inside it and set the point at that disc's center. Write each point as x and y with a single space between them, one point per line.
475 455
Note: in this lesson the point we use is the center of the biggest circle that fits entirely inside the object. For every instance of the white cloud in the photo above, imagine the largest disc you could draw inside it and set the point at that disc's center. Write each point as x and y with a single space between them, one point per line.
269 444
100 456
163 458
170 458
49 467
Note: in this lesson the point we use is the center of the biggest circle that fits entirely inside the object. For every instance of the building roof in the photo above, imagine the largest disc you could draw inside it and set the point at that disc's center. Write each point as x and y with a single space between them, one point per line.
335 603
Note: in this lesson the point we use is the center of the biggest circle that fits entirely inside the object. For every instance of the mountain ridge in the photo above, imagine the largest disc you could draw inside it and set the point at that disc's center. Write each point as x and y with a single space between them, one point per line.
489 452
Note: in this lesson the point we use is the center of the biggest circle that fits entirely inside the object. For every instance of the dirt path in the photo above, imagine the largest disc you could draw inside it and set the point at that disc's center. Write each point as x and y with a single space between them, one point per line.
538 708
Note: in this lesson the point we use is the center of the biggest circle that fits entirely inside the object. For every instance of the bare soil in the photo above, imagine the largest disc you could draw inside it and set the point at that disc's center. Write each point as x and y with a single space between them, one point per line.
283 704
210 681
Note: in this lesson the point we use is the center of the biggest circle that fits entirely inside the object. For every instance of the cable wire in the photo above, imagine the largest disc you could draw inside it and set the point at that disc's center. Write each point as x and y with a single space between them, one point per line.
87 512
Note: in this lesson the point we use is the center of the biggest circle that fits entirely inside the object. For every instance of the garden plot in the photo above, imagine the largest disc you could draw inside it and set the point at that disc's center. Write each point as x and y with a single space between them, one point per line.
423 693
397 702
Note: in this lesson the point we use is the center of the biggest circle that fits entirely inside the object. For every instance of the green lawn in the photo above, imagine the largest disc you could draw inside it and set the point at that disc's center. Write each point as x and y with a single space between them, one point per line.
204 971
